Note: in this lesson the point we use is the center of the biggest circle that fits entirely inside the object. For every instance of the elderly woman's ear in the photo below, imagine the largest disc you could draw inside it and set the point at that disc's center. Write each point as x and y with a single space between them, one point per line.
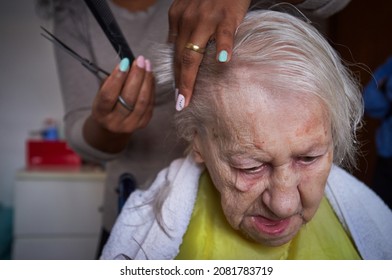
197 151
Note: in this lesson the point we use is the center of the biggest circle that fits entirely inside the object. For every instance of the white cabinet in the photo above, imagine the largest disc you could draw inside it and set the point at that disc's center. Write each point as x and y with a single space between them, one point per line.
57 214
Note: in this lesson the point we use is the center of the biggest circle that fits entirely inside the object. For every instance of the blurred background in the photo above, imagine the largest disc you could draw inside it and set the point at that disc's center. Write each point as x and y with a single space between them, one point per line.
360 32
45 213
30 95
29 88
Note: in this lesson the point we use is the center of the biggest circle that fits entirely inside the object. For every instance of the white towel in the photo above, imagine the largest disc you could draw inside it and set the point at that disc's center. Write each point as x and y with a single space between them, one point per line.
363 213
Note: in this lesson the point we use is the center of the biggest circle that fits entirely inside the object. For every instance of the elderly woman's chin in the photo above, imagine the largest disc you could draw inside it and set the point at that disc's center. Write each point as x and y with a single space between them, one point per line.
271 233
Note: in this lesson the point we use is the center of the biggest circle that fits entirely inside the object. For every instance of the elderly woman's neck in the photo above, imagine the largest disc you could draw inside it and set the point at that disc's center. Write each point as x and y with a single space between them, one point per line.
135 5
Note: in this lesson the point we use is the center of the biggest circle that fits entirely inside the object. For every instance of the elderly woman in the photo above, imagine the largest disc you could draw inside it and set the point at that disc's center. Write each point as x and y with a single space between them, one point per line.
267 133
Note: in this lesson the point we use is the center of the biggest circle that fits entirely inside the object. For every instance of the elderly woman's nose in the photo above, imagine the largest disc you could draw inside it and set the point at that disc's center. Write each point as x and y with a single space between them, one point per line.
283 197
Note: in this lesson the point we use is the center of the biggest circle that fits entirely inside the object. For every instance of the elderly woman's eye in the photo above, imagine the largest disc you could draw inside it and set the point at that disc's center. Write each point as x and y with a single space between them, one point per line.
308 159
252 170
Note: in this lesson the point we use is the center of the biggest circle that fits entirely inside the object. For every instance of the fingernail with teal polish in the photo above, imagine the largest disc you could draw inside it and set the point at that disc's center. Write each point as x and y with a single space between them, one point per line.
124 65
223 55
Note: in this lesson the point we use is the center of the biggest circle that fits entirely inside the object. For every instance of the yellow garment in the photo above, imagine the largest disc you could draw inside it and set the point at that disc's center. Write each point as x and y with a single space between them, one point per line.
209 235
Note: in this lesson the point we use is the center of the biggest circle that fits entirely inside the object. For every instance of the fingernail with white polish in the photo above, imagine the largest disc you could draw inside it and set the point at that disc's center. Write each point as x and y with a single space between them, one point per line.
180 102
223 55
124 65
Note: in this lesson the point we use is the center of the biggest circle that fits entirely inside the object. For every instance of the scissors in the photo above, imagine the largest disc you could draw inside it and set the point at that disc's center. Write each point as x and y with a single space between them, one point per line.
93 68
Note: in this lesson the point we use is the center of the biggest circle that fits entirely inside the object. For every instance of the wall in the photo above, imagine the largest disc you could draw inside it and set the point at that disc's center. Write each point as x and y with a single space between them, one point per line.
29 90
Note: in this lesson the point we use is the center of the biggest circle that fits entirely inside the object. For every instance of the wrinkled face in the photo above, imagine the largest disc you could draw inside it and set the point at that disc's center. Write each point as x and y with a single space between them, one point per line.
269 155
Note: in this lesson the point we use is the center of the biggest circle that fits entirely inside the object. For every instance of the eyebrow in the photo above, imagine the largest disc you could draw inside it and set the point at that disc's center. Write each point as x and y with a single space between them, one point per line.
257 153
253 152
316 147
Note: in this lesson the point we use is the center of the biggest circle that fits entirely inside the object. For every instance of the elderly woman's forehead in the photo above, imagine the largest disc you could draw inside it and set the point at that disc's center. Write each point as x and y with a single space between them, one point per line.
242 109
249 85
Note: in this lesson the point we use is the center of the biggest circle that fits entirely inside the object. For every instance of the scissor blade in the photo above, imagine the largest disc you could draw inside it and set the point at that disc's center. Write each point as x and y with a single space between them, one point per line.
85 62
57 44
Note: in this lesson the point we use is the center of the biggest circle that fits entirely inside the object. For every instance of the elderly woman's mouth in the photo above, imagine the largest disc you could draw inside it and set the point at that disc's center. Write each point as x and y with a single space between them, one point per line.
271 227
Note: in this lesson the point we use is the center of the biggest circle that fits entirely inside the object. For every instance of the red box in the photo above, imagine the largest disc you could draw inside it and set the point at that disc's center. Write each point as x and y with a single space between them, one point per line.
50 153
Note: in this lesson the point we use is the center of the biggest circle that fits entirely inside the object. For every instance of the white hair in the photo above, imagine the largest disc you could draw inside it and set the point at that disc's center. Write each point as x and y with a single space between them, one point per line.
294 55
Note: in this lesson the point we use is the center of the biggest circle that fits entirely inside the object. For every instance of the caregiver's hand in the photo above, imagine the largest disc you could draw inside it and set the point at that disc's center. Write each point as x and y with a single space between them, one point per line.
192 23
123 104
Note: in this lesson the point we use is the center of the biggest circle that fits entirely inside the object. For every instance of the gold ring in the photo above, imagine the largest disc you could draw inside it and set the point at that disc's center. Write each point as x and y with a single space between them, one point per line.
195 48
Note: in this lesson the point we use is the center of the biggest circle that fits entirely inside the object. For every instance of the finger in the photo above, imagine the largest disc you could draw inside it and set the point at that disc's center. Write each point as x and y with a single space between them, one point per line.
188 62
174 14
106 97
184 23
196 27
224 39
183 29
144 121
131 89
148 102
145 101
227 28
